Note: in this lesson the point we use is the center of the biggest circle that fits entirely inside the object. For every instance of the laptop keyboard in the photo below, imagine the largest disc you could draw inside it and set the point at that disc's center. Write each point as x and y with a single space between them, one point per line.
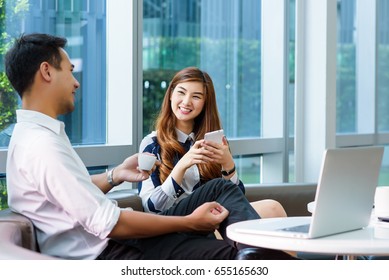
300 228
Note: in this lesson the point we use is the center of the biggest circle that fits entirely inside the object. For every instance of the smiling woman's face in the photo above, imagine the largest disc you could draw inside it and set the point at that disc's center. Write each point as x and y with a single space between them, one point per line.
187 102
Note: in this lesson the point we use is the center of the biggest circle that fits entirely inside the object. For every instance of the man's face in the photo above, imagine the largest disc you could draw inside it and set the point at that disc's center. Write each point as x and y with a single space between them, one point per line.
65 85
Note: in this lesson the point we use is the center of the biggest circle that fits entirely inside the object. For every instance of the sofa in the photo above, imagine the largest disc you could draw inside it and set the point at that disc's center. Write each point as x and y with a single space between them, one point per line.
17 234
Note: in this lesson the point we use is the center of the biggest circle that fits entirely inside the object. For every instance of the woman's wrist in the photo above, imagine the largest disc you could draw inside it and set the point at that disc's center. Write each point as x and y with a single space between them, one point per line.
228 164
233 177
228 171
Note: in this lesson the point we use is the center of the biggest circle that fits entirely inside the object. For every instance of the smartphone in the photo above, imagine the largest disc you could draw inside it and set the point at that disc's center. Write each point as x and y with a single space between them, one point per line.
215 136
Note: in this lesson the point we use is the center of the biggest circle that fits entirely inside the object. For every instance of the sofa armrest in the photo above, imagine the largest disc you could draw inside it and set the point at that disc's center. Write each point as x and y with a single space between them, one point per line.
127 198
17 238
25 236
11 251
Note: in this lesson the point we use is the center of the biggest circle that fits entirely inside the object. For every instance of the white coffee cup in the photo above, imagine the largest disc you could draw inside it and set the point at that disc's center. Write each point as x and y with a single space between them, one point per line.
146 161
381 201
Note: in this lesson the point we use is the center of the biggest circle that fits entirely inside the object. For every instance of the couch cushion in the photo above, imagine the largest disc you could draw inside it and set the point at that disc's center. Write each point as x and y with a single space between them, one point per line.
294 197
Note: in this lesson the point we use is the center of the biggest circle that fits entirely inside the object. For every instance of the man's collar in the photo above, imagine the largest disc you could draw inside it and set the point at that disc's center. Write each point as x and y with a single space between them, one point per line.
40 119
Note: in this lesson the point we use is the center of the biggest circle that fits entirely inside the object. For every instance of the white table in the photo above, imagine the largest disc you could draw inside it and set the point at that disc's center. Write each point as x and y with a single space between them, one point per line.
372 240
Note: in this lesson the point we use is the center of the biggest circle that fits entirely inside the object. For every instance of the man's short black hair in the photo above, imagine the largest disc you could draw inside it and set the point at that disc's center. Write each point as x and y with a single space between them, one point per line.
24 58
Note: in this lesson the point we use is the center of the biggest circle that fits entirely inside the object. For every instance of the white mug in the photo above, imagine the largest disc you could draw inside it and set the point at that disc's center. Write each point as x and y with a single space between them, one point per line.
146 161
381 201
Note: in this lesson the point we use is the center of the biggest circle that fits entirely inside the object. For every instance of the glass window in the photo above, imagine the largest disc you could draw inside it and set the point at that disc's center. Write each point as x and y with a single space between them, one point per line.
221 37
217 36
291 87
383 179
83 23
346 66
249 168
383 81
383 66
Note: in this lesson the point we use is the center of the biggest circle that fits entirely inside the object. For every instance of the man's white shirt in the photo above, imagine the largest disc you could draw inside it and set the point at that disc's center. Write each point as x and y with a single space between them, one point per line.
49 183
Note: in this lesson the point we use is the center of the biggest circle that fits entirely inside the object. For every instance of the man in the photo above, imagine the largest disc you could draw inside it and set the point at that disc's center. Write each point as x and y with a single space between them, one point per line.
48 183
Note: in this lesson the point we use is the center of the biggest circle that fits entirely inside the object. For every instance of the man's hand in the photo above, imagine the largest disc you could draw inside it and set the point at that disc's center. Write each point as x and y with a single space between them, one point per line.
207 217
129 171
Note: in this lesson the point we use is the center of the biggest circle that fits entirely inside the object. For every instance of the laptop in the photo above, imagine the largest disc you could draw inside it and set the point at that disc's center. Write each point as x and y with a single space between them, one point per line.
344 197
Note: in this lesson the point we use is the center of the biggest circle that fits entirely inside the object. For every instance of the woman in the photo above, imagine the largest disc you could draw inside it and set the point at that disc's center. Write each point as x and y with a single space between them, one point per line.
188 162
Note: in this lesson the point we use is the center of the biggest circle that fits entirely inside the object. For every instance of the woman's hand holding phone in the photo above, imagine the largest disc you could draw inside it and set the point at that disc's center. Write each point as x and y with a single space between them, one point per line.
215 136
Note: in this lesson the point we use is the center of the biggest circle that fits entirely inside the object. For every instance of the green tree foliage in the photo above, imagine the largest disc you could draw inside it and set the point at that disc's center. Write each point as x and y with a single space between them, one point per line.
174 54
11 14
346 100
3 194
157 82
346 89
